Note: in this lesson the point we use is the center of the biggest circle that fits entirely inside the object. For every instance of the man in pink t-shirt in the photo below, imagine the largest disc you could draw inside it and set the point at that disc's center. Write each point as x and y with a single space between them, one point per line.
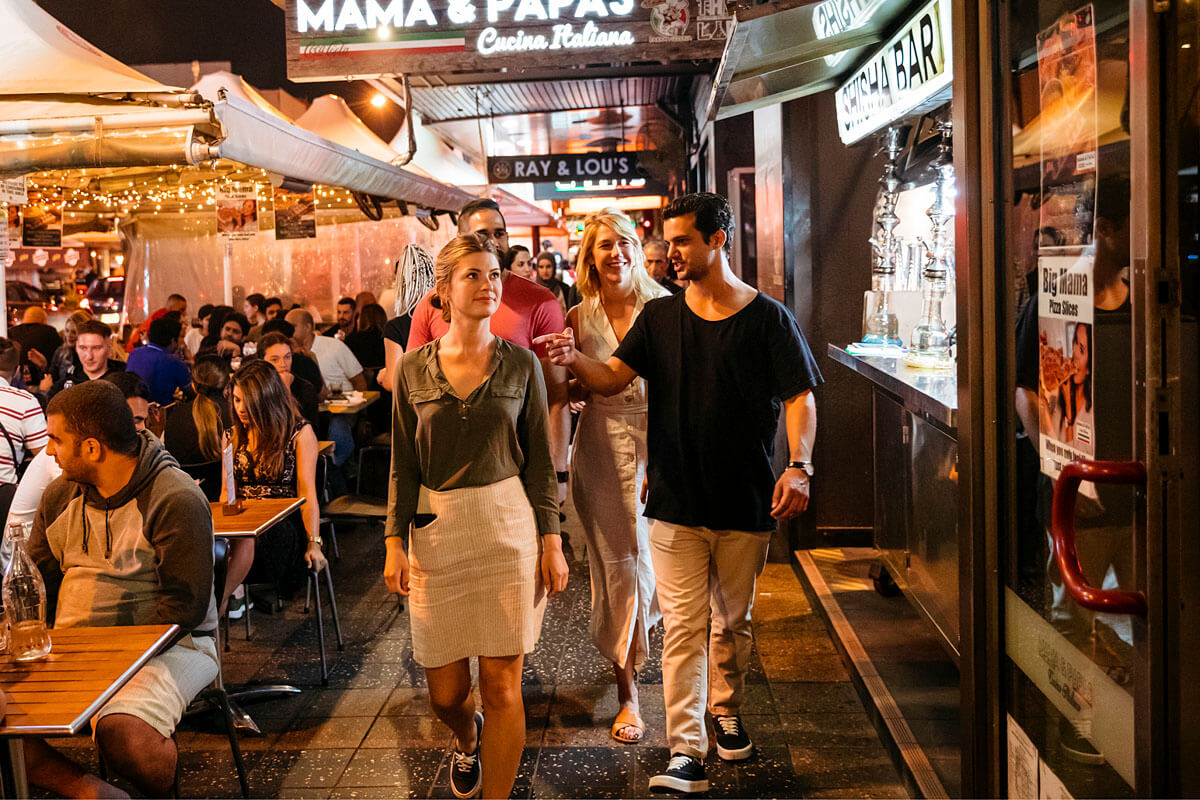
526 312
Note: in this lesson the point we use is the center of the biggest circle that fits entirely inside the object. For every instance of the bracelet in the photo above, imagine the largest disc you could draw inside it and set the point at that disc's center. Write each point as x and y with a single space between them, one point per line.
563 475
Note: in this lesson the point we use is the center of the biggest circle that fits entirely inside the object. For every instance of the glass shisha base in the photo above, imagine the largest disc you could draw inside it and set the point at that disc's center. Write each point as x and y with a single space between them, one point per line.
929 360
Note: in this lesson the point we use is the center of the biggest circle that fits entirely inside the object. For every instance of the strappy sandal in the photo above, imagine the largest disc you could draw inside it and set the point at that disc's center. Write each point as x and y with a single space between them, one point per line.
628 719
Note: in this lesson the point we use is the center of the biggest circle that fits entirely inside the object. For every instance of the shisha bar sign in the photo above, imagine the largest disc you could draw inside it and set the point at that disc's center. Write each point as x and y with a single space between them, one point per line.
341 39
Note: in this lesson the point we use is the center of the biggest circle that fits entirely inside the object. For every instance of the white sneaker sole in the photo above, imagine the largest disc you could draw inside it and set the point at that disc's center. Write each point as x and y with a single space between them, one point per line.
671 783
736 755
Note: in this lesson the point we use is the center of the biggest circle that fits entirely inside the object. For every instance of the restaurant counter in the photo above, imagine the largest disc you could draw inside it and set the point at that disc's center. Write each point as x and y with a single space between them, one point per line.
915 446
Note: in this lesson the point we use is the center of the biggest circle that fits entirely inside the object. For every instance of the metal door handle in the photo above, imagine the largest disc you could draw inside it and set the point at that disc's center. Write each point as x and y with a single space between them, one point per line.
1063 532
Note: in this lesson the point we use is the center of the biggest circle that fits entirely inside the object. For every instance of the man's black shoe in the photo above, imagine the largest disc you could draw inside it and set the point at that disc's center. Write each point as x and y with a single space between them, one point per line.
733 743
683 774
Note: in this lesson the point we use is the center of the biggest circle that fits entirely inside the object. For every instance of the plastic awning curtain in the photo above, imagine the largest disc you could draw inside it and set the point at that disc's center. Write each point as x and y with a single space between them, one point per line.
42 56
260 139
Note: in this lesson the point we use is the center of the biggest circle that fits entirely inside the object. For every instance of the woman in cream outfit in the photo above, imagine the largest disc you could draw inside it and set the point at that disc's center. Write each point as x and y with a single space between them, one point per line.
609 460
471 472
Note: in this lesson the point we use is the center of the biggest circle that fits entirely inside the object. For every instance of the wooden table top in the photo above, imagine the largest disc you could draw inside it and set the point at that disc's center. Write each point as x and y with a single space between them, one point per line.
59 694
324 448
350 408
259 516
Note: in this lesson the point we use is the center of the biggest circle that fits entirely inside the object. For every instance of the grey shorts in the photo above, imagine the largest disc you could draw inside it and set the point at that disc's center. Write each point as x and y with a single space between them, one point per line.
161 690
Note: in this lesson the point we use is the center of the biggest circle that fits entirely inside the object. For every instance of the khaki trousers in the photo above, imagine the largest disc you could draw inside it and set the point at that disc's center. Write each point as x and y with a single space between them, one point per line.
704 576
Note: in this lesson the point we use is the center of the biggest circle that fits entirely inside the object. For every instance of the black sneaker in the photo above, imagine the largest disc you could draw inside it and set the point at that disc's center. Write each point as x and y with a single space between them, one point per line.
684 774
733 743
466 776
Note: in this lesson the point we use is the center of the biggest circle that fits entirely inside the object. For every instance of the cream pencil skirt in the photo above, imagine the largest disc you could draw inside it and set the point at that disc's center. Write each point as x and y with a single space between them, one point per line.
475 587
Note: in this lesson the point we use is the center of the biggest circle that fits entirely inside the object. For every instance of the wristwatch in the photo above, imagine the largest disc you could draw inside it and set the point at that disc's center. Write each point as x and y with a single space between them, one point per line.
563 476
805 466
317 540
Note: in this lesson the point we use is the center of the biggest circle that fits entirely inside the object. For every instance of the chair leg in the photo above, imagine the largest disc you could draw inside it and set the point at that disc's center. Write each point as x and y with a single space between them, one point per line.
314 581
337 624
225 628
337 553
246 616
221 698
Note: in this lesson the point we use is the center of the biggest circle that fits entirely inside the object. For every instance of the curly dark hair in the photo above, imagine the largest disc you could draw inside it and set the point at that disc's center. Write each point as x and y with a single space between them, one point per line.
713 213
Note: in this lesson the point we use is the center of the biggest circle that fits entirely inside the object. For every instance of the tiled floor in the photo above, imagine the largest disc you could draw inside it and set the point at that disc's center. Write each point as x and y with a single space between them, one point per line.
370 733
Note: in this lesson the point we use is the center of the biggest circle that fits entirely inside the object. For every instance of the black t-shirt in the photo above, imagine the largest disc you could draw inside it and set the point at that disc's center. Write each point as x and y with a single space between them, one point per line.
715 391
79 376
35 336
367 347
305 367
397 329
305 395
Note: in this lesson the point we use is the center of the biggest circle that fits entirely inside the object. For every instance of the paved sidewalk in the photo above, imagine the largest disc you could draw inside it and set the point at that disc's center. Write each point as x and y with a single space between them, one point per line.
371 733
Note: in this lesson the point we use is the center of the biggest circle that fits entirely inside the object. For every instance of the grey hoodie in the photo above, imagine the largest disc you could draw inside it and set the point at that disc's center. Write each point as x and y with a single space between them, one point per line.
141 557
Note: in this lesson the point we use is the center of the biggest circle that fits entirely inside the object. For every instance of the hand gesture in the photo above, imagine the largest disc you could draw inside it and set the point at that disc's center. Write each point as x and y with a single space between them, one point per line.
554 566
395 567
36 358
228 348
790 498
560 347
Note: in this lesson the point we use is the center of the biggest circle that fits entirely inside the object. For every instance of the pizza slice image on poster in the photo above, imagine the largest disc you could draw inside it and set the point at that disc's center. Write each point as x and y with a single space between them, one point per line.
1065 362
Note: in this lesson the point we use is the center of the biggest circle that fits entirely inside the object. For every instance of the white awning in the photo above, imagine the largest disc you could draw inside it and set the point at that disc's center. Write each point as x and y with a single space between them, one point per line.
329 116
209 87
42 56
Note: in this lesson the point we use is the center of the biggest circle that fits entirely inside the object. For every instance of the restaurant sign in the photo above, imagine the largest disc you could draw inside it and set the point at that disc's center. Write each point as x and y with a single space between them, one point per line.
564 167
909 74
347 39
566 190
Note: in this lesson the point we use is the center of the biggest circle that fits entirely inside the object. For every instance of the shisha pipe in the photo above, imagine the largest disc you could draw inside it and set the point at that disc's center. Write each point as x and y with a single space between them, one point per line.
881 327
930 339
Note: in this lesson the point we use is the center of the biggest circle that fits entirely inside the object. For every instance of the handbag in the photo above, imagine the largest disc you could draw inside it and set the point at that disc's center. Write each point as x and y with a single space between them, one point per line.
9 490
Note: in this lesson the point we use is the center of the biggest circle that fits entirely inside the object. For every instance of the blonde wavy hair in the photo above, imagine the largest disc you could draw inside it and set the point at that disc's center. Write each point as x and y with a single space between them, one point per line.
456 250
588 277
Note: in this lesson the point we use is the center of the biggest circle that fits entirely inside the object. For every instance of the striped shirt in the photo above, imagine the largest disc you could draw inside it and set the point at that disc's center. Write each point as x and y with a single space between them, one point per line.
25 424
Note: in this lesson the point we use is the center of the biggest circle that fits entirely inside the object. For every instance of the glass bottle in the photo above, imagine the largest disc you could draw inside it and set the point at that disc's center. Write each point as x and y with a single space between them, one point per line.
25 599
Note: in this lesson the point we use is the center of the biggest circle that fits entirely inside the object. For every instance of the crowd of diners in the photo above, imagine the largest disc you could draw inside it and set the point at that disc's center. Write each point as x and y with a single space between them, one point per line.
643 379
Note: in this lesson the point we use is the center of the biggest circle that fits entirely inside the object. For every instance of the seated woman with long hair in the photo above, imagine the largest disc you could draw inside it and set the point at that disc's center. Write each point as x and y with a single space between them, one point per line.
195 429
274 455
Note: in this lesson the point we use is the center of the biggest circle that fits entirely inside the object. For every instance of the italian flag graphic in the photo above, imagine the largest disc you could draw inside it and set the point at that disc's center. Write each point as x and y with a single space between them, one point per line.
408 43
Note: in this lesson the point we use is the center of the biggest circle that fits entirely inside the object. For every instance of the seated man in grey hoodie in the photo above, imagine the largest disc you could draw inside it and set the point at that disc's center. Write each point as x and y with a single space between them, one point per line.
125 537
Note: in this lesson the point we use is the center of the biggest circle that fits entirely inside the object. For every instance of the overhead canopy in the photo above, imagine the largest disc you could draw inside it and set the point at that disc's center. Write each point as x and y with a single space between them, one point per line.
41 56
51 117
209 87
329 116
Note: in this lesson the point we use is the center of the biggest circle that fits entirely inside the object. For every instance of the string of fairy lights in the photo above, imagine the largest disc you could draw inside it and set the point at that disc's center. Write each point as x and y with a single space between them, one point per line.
177 189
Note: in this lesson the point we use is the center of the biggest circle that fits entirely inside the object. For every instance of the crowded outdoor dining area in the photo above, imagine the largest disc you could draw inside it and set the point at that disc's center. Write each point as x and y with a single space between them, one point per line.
599 398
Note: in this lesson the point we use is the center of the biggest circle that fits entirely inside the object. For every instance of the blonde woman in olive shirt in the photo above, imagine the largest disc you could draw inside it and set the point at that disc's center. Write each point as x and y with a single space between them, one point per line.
471 472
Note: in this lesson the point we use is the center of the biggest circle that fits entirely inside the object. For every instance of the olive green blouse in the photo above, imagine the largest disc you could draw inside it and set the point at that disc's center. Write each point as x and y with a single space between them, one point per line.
445 441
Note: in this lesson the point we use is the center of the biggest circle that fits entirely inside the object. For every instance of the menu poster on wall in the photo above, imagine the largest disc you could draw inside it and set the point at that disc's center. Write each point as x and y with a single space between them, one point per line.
12 191
42 225
1065 361
1068 122
1022 762
237 212
295 215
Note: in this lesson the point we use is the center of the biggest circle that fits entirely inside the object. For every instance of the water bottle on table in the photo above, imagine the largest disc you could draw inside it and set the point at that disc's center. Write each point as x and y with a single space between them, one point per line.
25 599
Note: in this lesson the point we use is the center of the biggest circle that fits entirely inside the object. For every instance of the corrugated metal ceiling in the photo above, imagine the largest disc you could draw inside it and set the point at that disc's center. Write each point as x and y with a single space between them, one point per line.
444 103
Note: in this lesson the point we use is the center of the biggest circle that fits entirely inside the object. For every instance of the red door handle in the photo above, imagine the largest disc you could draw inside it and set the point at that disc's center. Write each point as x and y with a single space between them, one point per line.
1063 532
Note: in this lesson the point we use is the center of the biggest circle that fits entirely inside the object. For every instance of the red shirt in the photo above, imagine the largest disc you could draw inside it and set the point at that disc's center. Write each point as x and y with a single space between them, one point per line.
526 312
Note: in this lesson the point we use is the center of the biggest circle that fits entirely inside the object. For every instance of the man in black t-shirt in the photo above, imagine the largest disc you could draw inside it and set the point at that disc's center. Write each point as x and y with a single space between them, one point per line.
720 361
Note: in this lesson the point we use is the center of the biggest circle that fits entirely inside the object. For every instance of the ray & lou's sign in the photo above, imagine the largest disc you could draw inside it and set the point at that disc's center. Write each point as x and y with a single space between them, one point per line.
564 167
909 74
367 38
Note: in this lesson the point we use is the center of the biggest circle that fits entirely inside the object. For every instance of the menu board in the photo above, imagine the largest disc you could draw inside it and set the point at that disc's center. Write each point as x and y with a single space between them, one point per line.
41 225
12 191
295 215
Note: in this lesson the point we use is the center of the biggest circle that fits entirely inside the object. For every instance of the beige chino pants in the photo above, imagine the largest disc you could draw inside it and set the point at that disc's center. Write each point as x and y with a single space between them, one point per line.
704 575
